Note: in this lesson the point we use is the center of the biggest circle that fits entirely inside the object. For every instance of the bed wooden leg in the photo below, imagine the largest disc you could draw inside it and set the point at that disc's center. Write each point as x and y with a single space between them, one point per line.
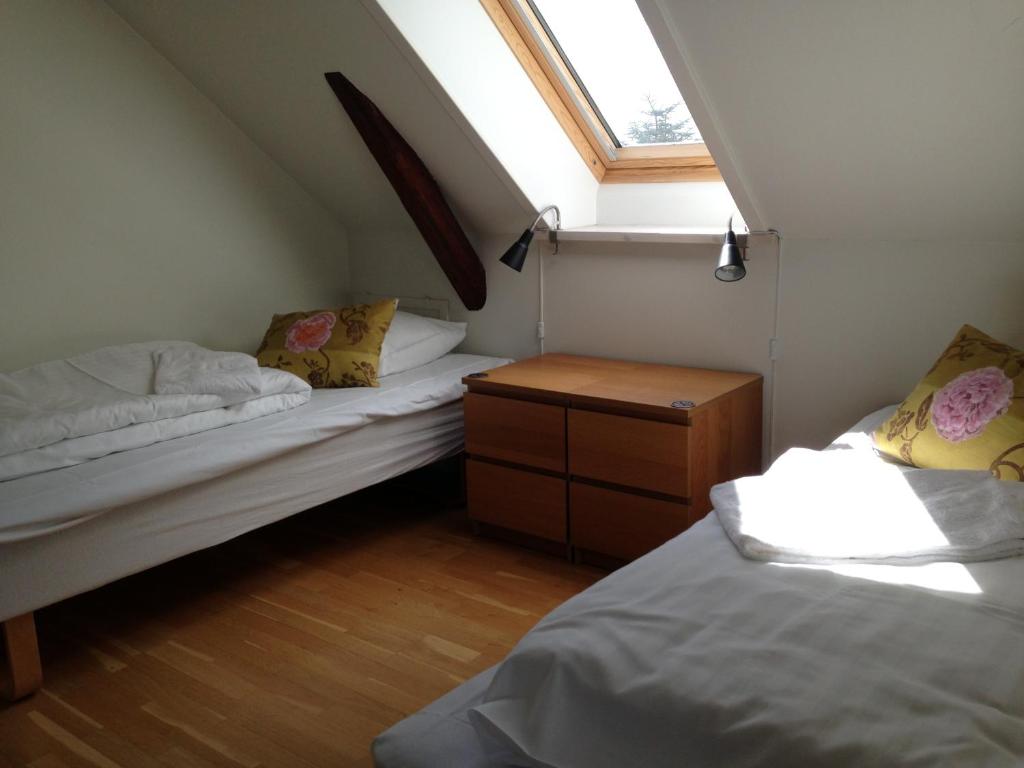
21 649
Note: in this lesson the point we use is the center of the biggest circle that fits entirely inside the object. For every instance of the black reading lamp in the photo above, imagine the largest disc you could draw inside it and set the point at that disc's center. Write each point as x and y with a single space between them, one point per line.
515 256
730 263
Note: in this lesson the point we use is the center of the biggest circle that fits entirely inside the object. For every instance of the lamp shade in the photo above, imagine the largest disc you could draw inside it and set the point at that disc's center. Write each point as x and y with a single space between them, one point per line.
515 256
730 263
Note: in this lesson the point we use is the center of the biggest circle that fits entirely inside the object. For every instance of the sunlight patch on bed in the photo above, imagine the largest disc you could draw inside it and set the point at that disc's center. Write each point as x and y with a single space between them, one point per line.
940 577
834 506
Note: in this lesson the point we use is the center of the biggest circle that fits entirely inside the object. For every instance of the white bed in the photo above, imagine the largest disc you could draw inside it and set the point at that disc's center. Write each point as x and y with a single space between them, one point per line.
696 656
70 530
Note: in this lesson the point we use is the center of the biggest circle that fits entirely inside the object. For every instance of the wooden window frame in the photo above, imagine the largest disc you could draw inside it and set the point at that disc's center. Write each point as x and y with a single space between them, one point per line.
540 59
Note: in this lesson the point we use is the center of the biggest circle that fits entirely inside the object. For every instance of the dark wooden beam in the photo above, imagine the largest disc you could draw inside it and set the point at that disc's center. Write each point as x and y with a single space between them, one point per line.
418 192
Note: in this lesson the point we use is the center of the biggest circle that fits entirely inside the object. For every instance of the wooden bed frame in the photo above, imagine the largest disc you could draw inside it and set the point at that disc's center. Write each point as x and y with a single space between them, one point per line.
24 673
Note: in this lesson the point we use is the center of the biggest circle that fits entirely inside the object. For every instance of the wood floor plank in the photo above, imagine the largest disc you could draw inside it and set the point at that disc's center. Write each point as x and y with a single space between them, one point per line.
291 646
201 733
70 742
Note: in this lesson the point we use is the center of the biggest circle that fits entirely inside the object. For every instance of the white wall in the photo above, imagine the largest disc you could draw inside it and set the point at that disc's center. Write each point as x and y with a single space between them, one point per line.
397 261
863 315
130 207
861 322
680 204
649 302
872 120
886 127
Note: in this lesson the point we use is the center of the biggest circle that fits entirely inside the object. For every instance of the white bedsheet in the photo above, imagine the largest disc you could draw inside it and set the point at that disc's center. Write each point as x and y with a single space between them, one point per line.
696 656
43 503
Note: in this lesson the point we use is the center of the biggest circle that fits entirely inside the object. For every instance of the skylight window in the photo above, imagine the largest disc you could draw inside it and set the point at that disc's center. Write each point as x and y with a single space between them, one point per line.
597 66
619 69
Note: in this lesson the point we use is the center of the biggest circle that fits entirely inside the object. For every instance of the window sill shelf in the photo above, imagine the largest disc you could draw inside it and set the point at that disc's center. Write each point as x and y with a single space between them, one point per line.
646 234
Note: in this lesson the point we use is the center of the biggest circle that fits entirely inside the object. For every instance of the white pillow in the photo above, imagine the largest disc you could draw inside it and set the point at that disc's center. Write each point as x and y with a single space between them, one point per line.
412 341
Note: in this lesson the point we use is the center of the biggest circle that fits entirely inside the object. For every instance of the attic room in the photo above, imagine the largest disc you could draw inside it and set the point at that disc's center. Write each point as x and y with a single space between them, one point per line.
555 383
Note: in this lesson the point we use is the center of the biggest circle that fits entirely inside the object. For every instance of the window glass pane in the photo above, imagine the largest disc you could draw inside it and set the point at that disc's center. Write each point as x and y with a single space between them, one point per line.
608 44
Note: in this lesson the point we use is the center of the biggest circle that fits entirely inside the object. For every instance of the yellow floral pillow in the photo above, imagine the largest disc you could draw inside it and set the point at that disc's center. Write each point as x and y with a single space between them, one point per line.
967 412
329 347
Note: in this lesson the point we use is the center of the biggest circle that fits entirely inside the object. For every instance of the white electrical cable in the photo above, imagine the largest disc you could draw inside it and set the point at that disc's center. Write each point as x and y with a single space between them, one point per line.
774 344
540 288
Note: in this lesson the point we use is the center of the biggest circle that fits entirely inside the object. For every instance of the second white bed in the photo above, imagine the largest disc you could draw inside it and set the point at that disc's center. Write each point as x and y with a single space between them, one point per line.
695 656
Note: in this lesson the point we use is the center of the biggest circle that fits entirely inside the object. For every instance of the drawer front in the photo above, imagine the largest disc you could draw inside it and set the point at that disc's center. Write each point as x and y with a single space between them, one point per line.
651 455
620 524
515 430
516 499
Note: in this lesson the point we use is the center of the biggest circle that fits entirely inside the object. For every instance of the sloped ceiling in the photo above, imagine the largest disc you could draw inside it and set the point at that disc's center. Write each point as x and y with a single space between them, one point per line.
869 120
262 63
874 120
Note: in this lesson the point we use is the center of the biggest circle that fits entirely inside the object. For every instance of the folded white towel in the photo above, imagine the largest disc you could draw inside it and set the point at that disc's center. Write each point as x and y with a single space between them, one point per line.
852 506
198 371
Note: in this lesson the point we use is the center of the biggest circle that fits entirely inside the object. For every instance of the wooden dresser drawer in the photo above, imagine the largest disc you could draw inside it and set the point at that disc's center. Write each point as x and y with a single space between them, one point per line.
516 431
516 499
621 450
619 524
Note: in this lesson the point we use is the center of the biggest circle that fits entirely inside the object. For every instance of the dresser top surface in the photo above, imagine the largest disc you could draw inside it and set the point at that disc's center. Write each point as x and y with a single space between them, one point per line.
598 380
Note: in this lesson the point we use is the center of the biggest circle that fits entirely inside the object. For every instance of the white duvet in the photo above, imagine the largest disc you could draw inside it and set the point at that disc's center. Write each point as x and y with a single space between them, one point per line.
696 656
65 412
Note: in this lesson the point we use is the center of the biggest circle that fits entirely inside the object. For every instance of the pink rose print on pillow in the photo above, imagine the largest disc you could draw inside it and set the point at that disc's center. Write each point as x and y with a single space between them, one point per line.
311 333
963 408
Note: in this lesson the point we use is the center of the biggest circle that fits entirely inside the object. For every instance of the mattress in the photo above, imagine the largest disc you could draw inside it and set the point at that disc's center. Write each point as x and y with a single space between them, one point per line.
749 663
127 512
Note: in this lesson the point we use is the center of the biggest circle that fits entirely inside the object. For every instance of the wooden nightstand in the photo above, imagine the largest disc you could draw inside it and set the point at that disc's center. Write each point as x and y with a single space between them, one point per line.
606 457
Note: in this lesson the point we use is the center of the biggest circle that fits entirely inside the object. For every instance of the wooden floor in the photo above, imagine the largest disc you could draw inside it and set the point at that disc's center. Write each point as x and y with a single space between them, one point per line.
294 645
